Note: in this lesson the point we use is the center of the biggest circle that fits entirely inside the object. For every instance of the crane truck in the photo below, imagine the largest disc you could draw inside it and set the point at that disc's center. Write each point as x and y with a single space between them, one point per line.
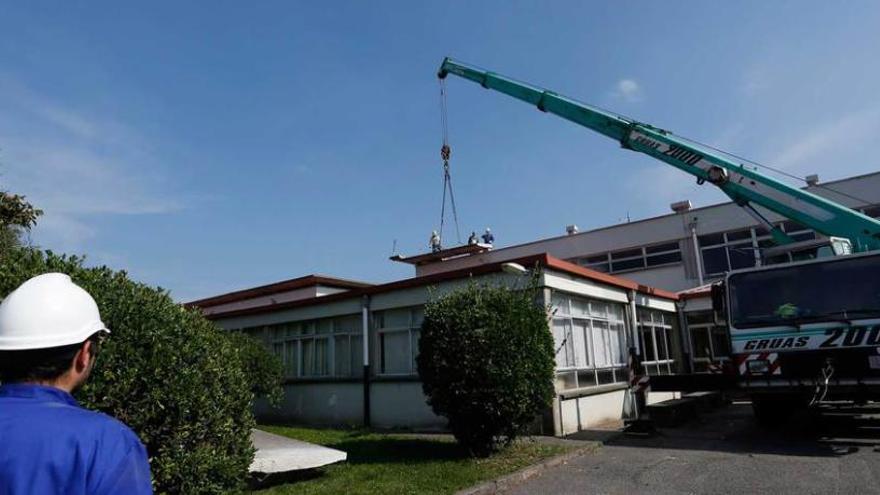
804 325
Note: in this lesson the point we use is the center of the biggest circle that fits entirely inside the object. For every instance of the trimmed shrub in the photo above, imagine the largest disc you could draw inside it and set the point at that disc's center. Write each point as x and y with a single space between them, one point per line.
264 369
486 363
170 374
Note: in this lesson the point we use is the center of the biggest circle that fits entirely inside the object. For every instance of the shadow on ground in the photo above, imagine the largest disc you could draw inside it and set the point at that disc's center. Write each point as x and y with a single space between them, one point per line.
733 429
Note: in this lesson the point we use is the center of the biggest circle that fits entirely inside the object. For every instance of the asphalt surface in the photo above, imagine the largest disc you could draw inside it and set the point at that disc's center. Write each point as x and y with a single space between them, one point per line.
727 452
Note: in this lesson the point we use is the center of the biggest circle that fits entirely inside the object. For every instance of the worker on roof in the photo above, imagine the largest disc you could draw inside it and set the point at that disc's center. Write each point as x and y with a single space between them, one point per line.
50 337
435 242
473 238
488 238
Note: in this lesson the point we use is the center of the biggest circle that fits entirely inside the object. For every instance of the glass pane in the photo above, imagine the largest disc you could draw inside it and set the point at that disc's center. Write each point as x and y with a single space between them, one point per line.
397 318
579 307
662 343
347 324
601 258
721 342
647 344
292 363
307 327
418 315
741 256
357 356
700 337
605 376
559 302
629 253
566 380
601 348
415 335
342 356
395 352
629 264
615 311
308 357
659 248
586 378
562 343
698 317
710 239
322 357
739 235
600 267
715 260
581 343
804 236
325 326
792 226
662 259
768 297
617 344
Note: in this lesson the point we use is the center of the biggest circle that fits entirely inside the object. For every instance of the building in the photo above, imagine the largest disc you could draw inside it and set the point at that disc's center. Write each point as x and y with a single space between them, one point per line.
682 251
349 347
349 355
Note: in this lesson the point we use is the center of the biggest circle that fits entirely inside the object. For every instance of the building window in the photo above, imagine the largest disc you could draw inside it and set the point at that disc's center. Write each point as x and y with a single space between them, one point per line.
655 337
634 258
725 251
398 331
590 341
329 347
710 342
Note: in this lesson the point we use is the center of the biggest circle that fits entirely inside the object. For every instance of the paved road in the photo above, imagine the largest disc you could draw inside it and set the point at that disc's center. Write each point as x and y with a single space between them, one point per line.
725 452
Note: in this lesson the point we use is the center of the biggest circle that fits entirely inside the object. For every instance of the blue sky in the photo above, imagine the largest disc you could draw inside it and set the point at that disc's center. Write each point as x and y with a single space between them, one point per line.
210 146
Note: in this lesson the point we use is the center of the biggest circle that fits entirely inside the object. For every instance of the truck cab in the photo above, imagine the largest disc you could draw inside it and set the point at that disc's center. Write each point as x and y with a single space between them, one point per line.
806 330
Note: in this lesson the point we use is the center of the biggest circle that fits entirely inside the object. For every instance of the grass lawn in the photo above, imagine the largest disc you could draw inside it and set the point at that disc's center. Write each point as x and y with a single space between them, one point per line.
388 463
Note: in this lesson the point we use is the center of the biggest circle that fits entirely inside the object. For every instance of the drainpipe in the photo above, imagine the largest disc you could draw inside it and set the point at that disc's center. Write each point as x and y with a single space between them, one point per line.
365 339
697 253
634 326
686 342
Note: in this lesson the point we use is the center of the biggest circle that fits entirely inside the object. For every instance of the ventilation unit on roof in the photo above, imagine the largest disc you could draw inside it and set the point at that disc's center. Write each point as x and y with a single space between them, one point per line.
681 206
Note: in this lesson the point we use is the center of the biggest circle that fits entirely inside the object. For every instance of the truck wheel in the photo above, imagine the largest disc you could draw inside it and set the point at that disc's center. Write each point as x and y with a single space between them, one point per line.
773 410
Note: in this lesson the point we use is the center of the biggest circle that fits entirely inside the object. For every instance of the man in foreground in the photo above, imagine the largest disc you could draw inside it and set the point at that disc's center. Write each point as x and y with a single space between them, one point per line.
50 335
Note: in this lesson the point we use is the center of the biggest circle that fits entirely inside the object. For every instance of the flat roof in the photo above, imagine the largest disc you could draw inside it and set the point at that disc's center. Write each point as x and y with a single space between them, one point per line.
543 260
277 287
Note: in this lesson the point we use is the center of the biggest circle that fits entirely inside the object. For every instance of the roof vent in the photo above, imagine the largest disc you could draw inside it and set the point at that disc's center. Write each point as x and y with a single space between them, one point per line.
681 206
812 179
571 229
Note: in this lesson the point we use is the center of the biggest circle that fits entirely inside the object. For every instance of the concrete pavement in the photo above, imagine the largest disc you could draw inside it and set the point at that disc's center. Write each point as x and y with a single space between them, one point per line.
723 452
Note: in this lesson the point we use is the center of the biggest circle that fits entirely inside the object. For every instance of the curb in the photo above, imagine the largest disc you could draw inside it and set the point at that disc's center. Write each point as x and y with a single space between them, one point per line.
509 481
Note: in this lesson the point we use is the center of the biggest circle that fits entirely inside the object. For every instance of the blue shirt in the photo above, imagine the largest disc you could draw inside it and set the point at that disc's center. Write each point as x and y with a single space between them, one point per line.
51 445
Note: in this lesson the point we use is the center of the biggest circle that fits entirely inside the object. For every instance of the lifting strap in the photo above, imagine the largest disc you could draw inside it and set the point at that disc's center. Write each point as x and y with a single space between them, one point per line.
445 154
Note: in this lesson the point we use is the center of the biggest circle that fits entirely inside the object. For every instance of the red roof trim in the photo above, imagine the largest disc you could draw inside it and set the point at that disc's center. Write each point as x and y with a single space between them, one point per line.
539 260
275 288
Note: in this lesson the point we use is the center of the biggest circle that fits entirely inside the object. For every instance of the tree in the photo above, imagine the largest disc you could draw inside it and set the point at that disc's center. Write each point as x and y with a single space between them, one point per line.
16 216
486 363
175 378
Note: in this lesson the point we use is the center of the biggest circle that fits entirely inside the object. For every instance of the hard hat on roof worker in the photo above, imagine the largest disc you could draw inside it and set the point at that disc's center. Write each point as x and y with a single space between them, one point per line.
48 310
49 342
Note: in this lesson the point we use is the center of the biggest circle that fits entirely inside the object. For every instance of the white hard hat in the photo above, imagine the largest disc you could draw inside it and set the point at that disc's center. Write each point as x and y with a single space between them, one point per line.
48 310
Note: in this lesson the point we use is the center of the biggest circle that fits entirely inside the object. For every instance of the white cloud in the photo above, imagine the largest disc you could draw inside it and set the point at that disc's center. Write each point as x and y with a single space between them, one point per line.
74 164
629 90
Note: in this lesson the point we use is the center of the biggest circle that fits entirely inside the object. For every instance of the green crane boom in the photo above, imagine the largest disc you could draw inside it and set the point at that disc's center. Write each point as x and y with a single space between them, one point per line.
744 185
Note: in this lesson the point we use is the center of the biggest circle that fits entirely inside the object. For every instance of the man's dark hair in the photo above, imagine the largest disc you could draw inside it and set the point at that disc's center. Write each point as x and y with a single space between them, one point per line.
36 365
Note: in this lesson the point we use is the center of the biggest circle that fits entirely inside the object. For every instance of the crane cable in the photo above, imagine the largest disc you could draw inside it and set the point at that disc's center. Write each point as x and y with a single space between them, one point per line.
445 154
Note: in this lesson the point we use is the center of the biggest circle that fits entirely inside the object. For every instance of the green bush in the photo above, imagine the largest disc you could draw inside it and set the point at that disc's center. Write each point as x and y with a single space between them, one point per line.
167 372
264 369
486 363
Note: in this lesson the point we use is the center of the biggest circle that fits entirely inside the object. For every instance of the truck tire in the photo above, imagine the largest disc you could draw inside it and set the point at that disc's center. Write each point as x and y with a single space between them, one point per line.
773 410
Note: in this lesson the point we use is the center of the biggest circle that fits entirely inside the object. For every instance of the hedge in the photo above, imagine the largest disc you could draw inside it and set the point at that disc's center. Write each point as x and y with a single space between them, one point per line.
176 379
486 363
